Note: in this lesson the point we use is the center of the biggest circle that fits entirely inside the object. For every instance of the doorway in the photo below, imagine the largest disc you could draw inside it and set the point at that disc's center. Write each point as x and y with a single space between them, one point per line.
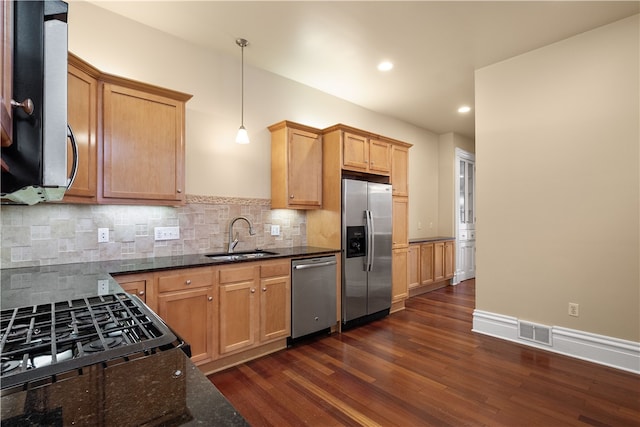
465 216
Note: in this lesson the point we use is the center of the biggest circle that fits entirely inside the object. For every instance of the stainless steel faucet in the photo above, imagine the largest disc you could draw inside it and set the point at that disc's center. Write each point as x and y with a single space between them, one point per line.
234 241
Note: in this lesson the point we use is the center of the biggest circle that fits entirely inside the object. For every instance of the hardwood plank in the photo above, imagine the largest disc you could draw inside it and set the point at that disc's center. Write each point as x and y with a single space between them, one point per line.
423 367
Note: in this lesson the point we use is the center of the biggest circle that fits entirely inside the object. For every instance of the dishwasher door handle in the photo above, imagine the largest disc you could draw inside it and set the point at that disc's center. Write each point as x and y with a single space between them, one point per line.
320 264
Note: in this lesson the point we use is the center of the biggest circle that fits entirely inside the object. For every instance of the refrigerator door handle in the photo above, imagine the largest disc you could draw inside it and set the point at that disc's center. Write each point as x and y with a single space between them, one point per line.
370 240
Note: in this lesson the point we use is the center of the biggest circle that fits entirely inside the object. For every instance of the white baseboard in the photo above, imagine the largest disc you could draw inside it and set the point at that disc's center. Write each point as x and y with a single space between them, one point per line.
601 349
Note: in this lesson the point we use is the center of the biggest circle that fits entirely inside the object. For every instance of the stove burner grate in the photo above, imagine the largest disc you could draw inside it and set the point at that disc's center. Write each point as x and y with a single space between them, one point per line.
79 332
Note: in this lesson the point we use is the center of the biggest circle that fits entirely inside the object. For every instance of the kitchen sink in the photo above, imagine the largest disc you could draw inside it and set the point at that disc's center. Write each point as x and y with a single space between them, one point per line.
238 256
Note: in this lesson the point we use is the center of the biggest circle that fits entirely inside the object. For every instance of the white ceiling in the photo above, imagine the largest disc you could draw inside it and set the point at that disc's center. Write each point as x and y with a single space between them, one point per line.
334 46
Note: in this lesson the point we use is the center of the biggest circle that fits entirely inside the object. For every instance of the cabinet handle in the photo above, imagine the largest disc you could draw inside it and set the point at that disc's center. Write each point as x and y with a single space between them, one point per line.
264 289
210 299
188 282
253 291
141 293
26 105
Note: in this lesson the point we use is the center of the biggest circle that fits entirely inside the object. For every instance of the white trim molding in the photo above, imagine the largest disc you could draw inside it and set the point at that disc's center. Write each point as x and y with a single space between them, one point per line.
601 349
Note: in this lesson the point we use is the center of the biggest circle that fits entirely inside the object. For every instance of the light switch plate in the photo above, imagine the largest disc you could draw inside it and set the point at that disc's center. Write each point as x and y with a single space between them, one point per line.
166 233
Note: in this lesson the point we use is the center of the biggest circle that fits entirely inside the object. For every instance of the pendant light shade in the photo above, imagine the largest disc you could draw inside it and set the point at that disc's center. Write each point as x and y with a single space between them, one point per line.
243 136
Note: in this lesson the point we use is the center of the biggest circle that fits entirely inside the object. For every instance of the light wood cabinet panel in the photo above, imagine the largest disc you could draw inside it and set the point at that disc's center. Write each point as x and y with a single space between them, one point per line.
379 157
400 170
355 152
400 219
399 289
413 266
438 261
137 284
275 308
237 316
296 166
82 115
191 314
143 146
449 259
426 263
6 65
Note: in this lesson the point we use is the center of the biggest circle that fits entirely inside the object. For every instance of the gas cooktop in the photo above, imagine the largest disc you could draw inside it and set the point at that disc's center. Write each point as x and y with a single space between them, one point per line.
46 340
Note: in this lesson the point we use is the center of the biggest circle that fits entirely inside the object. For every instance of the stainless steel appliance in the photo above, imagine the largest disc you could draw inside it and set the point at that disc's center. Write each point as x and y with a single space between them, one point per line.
313 295
366 254
34 166
91 346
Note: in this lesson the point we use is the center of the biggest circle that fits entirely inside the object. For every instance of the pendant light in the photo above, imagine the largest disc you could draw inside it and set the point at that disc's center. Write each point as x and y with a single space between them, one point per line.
243 136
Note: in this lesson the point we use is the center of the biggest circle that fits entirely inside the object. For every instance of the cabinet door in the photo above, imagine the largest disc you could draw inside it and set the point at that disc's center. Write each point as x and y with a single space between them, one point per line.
449 259
438 261
413 266
275 308
82 115
143 146
399 289
355 152
426 263
379 157
304 169
399 170
6 65
191 314
237 310
136 284
400 220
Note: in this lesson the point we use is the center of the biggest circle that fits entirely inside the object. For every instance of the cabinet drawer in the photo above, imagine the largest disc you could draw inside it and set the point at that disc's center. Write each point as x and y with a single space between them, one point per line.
185 279
275 269
239 274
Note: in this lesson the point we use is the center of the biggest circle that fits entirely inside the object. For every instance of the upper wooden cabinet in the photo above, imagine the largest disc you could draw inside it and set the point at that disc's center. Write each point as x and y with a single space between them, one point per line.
143 144
296 166
363 154
82 116
400 170
130 139
6 66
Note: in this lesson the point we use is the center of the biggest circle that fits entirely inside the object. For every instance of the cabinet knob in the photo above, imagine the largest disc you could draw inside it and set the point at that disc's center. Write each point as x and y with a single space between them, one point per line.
291 196
26 105
253 291
179 190
264 289
188 282
210 299
141 293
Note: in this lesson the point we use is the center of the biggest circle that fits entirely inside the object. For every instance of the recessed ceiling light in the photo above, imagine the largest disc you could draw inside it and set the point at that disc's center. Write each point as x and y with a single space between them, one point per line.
385 66
464 109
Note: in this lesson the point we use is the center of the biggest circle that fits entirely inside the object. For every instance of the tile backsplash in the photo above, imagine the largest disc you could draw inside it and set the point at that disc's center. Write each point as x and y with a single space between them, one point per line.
48 234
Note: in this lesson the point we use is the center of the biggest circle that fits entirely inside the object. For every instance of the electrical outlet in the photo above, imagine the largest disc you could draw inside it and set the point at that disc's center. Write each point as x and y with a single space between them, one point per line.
574 309
103 235
166 233
103 287
275 230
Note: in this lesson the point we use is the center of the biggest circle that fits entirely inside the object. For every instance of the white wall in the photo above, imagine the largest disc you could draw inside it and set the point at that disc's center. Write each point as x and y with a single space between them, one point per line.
558 183
214 164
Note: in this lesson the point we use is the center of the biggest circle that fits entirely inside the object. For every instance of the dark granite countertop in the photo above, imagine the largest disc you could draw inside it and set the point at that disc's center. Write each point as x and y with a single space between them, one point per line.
430 239
29 286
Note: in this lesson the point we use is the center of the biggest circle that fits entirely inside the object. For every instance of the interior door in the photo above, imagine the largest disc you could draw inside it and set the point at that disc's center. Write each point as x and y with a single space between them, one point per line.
465 216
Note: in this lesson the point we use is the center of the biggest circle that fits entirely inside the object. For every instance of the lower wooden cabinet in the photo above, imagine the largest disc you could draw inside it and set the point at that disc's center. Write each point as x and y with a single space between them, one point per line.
227 314
186 302
399 291
431 265
255 305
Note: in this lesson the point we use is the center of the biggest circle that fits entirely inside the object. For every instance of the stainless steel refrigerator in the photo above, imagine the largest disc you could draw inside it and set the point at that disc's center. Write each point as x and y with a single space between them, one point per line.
366 254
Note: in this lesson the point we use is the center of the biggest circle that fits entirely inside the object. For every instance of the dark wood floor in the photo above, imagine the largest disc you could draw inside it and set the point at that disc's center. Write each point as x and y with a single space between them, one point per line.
424 367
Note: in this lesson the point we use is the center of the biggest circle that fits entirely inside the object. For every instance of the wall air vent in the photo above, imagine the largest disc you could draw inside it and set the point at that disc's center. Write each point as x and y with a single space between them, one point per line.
534 332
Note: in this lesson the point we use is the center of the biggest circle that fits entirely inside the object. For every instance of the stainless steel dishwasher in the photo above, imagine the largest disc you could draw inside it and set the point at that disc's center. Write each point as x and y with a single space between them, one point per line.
313 295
